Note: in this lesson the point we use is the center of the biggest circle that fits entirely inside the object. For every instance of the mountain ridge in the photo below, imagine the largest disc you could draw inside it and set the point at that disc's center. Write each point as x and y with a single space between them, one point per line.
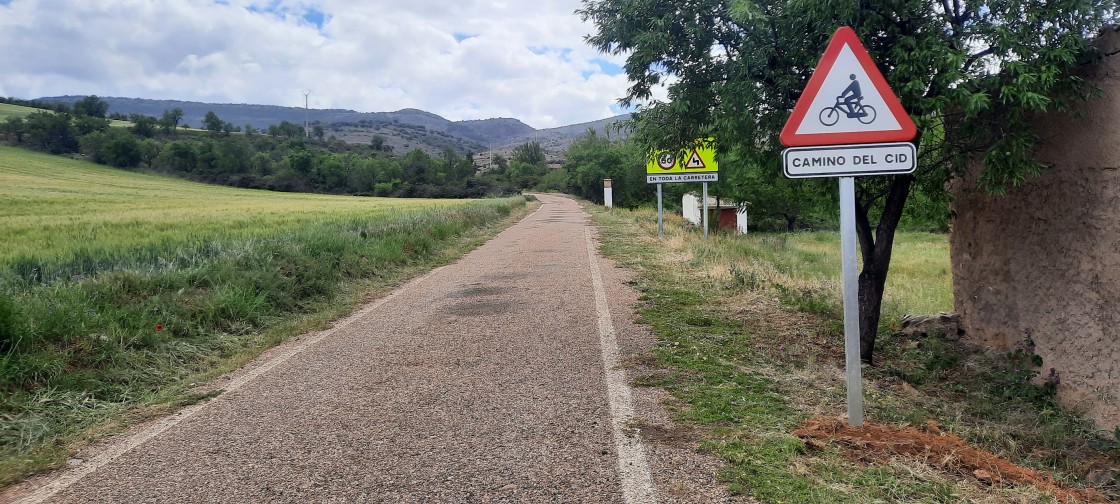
407 128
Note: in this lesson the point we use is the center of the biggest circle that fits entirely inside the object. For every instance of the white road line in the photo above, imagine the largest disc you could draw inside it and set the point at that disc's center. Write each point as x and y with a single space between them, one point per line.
114 451
637 483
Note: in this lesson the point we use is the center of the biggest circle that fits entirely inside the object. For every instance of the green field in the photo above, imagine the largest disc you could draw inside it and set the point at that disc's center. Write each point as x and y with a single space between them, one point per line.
8 110
53 208
119 290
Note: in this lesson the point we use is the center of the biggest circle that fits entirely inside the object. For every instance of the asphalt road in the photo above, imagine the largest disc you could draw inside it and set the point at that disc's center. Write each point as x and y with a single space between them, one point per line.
495 379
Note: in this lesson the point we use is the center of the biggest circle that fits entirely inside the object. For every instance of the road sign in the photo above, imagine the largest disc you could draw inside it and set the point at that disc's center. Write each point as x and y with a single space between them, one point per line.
849 160
847 101
682 177
695 160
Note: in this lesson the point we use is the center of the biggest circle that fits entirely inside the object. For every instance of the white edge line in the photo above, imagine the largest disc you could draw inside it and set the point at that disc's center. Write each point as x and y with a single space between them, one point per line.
633 470
71 475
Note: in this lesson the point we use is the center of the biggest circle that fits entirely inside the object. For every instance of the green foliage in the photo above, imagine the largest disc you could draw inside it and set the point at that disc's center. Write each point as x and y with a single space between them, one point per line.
169 121
142 125
51 132
970 74
91 106
530 153
594 157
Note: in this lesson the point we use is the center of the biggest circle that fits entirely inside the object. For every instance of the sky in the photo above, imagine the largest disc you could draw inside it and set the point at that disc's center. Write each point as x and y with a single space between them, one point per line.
461 59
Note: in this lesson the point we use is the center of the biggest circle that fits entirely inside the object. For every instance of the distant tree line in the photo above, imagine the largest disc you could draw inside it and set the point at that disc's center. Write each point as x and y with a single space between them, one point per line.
281 157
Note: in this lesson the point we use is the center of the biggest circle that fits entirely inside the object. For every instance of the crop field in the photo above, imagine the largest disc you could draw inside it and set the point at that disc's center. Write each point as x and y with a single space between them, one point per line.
8 110
119 291
53 208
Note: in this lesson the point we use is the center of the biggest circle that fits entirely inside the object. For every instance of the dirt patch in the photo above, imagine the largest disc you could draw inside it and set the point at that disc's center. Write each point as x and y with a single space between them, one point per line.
948 452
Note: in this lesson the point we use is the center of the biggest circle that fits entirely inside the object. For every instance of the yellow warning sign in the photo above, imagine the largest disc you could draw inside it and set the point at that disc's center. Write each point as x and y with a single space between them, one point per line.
698 159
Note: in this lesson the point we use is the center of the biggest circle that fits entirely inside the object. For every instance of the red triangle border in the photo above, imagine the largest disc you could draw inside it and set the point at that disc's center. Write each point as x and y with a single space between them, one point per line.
846 36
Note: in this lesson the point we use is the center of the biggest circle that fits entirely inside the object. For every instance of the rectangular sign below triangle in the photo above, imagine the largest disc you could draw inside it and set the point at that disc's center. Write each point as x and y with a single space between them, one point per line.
847 101
849 160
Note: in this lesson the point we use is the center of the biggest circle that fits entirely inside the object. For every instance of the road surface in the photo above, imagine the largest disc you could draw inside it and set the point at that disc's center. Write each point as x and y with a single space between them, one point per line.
495 379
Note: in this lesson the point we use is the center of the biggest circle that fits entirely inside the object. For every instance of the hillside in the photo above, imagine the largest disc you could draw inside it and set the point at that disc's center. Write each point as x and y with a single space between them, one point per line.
8 110
403 130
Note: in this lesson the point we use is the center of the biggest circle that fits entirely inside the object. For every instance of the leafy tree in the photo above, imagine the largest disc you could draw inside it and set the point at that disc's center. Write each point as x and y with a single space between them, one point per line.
122 149
212 123
776 202
180 155
318 132
593 157
149 151
142 125
15 127
377 142
170 120
51 132
88 124
91 106
971 74
416 166
530 153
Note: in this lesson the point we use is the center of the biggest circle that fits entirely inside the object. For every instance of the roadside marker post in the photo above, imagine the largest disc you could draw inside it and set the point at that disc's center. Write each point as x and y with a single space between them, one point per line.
839 129
697 164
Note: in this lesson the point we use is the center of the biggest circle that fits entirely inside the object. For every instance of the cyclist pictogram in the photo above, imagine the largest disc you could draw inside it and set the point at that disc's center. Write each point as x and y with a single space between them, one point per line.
850 103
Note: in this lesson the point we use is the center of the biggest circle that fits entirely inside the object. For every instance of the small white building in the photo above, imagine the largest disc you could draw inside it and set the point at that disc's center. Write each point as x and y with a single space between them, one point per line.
725 214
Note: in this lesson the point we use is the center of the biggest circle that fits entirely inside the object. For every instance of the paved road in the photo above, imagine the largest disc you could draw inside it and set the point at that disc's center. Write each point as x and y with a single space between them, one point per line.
490 380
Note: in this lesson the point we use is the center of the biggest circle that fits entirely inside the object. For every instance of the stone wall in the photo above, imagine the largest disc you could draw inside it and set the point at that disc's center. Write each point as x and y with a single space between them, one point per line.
1045 258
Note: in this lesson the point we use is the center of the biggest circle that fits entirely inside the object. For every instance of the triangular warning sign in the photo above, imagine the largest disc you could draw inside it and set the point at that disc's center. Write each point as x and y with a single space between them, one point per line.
847 101
694 161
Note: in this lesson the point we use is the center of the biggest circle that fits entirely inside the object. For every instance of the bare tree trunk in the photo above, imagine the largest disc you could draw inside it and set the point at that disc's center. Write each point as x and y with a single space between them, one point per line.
876 250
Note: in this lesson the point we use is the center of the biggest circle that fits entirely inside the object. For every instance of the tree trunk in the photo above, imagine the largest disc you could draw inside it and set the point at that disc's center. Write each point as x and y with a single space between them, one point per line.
876 251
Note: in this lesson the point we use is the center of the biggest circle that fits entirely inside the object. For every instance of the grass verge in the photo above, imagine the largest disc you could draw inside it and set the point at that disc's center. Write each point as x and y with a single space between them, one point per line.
750 341
100 327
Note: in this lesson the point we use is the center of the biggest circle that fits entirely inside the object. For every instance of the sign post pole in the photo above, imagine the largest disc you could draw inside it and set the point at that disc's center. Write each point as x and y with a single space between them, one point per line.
851 299
840 129
705 219
660 223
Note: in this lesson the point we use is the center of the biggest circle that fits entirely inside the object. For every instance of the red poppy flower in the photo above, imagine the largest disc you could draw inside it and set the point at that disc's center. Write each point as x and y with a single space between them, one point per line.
159 327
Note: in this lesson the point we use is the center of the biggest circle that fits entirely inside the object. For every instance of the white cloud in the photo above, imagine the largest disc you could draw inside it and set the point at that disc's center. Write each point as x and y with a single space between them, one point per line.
465 59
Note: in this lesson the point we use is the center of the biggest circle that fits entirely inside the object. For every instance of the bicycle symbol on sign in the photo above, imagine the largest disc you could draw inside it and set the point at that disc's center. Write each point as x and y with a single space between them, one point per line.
850 103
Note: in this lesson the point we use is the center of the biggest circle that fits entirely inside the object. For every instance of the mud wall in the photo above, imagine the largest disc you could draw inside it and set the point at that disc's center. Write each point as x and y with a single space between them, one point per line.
1045 258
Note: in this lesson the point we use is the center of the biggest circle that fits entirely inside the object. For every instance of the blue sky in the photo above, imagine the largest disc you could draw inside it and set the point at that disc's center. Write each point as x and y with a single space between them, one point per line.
463 60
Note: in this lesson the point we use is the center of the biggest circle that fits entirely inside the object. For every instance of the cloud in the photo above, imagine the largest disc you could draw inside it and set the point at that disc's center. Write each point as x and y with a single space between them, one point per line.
468 59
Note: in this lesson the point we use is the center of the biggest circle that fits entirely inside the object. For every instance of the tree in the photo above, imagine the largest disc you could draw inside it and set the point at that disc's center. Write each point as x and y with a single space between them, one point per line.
530 153
212 123
593 157
318 132
170 120
142 125
91 106
971 74
51 132
149 151
88 124
15 127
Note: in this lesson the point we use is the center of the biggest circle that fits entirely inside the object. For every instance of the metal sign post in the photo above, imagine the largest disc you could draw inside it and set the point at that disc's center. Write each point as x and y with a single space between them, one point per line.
705 218
838 129
660 222
851 299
